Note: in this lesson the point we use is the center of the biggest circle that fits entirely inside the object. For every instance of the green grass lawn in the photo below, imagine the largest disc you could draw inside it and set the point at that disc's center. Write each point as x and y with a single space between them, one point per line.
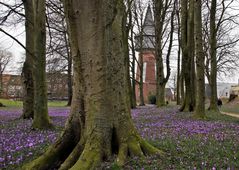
230 108
18 103
11 103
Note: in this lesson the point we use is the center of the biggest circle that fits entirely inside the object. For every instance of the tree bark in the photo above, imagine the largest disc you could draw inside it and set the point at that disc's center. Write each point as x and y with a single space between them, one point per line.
1 79
130 41
187 42
69 69
213 57
101 74
179 84
133 69
27 77
41 118
69 80
200 92
191 54
141 81
161 80
127 56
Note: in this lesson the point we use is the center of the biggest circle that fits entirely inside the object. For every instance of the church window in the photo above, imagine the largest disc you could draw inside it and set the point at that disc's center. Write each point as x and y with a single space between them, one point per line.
144 71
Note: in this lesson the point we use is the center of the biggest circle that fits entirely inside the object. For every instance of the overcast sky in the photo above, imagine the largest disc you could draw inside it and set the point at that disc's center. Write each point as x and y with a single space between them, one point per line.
10 45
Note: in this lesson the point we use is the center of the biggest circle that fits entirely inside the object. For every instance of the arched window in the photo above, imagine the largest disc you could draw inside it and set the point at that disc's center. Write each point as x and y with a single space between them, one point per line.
144 71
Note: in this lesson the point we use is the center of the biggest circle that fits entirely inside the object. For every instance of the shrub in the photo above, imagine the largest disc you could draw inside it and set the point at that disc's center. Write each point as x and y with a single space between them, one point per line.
232 97
152 99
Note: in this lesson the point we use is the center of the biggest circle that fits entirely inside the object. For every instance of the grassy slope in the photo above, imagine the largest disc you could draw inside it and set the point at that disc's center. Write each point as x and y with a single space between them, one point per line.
17 103
230 108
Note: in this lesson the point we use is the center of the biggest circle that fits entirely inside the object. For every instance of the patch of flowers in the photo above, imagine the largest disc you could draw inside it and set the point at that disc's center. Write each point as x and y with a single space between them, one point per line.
188 143
18 141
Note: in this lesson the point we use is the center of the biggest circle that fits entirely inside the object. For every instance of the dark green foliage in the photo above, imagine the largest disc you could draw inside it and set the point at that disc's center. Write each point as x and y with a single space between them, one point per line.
232 97
152 99
2 105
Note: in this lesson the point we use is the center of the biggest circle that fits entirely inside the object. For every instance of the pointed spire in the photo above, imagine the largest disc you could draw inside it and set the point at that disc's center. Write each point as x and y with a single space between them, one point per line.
148 32
148 20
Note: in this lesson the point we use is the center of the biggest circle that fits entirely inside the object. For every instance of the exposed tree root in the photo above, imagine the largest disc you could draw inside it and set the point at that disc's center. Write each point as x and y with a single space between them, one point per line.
60 150
42 126
186 108
24 116
94 155
52 157
73 157
65 154
199 116
90 158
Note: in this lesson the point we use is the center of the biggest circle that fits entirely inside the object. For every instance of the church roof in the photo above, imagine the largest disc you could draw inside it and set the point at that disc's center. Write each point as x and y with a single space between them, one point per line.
148 26
148 32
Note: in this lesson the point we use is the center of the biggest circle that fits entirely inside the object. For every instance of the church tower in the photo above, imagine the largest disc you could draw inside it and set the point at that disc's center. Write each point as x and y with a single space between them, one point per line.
145 45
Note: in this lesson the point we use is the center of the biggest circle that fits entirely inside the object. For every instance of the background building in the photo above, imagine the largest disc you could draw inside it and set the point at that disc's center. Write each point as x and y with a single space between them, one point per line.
145 45
56 85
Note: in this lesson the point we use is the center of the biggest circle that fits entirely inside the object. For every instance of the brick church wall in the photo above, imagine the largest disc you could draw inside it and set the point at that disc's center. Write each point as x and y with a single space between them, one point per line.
149 86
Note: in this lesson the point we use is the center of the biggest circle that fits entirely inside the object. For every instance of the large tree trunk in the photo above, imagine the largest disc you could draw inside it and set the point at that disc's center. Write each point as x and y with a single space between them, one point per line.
27 77
213 57
200 92
41 119
99 72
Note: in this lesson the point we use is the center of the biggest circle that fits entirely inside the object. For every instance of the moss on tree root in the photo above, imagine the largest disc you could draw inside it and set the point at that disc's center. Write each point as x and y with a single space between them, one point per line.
90 155
73 157
92 158
55 154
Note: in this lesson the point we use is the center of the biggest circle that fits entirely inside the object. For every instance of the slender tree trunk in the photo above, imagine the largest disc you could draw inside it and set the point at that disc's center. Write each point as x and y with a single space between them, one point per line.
178 97
131 41
133 69
27 77
178 92
127 57
184 16
160 85
127 63
200 93
69 70
213 56
1 81
41 118
186 40
161 80
108 127
191 54
141 81
69 81
182 86
178 69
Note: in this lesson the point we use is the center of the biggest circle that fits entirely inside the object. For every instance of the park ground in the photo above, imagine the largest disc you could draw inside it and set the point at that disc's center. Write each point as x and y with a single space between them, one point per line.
188 143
